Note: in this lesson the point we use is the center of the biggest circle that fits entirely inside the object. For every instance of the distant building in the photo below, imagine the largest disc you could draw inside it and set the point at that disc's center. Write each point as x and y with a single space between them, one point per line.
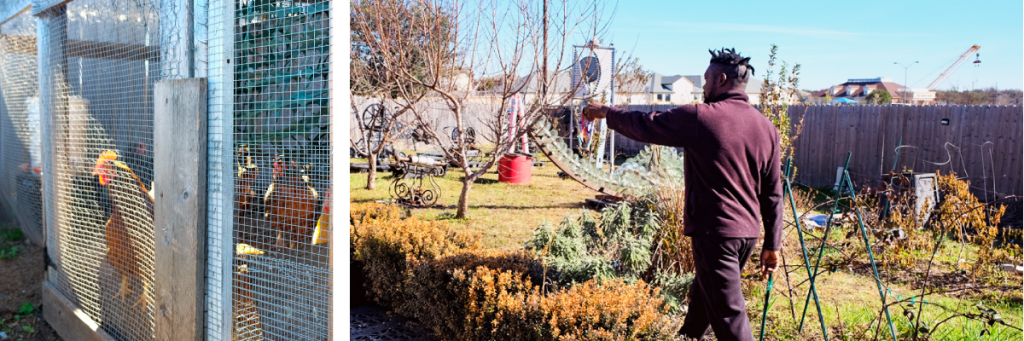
661 89
671 90
858 89
698 87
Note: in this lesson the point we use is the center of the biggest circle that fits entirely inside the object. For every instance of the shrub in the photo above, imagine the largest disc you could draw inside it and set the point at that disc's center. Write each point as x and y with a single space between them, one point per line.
621 243
460 292
963 217
613 310
389 249
448 293
493 304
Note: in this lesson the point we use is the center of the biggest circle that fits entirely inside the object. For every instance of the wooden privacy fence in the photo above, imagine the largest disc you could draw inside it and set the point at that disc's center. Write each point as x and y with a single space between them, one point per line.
982 144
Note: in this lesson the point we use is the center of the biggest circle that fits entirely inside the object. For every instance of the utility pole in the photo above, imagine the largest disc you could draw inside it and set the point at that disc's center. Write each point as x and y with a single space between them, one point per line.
544 62
905 67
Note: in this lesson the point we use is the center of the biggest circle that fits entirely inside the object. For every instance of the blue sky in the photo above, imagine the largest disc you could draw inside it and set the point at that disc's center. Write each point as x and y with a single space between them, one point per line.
833 40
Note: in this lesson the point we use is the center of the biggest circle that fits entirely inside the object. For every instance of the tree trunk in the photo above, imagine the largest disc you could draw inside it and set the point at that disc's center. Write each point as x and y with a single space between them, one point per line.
467 183
371 180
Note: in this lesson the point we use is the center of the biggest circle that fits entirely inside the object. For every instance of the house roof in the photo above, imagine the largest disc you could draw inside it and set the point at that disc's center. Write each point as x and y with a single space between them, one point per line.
661 84
698 83
858 88
655 87
670 79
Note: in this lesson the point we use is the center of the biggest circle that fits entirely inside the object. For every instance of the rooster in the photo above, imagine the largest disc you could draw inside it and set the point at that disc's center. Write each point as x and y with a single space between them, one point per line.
129 230
291 204
246 201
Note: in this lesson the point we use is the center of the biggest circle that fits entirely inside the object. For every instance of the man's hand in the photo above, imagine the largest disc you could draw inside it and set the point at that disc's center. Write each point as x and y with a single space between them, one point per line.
595 110
769 262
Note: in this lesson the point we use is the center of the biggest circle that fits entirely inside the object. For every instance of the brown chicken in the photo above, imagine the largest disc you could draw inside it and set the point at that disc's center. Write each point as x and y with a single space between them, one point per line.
129 230
246 198
291 204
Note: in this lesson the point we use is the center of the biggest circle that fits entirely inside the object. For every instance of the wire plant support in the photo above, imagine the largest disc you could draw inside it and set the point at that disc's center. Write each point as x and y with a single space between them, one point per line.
845 188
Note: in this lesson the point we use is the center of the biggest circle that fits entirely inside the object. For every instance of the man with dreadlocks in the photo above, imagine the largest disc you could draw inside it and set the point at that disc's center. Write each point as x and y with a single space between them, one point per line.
733 184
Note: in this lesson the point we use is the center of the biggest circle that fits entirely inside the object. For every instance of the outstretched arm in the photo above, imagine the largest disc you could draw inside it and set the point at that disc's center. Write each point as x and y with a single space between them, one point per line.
675 128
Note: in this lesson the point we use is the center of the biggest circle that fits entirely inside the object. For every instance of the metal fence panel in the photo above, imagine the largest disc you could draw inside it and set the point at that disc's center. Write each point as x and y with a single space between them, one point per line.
281 169
220 160
20 130
99 62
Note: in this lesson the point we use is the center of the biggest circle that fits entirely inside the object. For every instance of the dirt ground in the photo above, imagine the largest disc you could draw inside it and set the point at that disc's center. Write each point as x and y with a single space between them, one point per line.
20 282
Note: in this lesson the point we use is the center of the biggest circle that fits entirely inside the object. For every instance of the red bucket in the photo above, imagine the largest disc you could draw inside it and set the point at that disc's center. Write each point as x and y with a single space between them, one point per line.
515 169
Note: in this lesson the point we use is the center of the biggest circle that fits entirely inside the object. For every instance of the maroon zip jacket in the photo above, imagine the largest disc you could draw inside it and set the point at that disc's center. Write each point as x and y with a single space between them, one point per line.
731 164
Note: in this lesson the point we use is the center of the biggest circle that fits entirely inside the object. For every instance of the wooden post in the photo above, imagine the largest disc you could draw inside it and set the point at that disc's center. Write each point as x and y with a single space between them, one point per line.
179 173
67 319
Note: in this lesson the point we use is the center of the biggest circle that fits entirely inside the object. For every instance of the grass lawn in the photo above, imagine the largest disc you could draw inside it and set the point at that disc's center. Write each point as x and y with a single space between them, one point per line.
850 303
504 214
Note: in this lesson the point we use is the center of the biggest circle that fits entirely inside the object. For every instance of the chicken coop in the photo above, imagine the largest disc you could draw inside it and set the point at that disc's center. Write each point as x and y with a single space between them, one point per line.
174 157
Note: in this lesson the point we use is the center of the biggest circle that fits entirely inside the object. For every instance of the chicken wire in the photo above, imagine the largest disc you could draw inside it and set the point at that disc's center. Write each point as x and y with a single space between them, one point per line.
100 60
20 134
281 167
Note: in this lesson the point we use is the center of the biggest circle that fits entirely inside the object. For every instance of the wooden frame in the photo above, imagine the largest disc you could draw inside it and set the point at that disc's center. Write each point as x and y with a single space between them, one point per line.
68 319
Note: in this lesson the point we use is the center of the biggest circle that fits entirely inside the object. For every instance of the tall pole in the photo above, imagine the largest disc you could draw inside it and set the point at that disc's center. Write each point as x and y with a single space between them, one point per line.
544 60
905 67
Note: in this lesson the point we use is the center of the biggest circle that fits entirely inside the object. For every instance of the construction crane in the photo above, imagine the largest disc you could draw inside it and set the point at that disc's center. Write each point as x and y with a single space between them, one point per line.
956 64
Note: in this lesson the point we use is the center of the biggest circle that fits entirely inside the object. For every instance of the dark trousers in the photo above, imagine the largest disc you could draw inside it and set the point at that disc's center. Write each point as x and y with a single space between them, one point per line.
716 300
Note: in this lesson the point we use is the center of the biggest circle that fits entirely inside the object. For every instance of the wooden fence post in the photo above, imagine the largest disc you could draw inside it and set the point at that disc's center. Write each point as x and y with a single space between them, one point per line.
179 173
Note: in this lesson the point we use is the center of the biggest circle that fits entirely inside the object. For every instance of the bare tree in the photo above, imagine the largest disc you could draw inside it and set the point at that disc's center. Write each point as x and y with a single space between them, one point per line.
379 33
501 41
630 74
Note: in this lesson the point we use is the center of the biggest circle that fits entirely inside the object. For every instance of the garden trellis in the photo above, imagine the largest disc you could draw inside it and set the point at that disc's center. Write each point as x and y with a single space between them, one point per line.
101 97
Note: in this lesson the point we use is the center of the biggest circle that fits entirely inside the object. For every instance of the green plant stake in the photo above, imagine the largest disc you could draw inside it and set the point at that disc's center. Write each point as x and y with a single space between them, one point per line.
885 212
824 241
871 256
767 294
803 247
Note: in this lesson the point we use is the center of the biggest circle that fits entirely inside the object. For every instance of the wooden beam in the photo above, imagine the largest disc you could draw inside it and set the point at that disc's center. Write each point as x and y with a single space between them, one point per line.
179 173
41 6
67 319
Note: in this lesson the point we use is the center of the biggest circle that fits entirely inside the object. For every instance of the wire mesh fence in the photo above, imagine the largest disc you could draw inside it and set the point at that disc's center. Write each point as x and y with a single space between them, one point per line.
76 152
20 134
101 61
281 271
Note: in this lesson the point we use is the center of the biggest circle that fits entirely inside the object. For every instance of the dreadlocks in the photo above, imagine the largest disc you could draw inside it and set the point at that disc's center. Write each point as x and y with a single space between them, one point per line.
732 64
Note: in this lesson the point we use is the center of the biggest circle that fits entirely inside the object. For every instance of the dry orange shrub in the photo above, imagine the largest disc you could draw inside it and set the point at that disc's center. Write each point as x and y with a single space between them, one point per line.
899 252
966 219
390 247
612 310
460 292
447 299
